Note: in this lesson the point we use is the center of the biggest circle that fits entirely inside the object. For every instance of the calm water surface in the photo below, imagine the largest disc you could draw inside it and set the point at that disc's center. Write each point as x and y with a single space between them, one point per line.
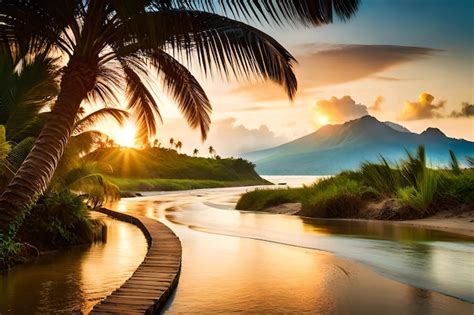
262 263
73 280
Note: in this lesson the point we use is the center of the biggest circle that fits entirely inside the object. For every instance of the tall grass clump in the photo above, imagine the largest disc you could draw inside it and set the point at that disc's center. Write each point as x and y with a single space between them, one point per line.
454 163
380 176
421 196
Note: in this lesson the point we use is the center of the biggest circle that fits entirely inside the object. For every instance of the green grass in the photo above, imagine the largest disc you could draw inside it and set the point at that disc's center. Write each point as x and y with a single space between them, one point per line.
409 182
165 163
161 184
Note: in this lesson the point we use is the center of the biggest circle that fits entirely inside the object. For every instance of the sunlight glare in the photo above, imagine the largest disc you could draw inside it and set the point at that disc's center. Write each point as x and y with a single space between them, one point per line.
125 136
323 120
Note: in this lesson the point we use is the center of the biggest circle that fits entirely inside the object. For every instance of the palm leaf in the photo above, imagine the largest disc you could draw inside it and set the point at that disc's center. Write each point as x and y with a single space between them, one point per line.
186 90
143 105
119 115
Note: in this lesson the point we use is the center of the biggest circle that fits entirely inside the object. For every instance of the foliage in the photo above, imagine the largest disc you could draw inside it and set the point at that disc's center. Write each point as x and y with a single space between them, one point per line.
421 196
381 176
162 184
152 163
454 163
260 199
58 219
410 183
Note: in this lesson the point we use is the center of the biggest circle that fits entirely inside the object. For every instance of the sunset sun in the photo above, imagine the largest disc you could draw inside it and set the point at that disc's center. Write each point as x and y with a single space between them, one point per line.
323 120
125 136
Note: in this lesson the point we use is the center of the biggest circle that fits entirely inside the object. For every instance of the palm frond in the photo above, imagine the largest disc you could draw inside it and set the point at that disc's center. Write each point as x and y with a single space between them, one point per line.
143 105
119 115
185 89
293 12
220 44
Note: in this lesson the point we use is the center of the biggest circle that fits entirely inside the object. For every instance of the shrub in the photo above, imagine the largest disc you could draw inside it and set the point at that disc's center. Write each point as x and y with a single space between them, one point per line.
58 219
335 197
261 199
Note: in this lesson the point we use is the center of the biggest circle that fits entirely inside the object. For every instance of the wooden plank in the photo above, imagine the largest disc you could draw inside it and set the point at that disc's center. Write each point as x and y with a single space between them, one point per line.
146 291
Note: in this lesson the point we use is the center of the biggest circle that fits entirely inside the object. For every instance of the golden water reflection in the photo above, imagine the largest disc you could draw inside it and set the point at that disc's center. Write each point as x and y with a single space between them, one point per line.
75 279
262 263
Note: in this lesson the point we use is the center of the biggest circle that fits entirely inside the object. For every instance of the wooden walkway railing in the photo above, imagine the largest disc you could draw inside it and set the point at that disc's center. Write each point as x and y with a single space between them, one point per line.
154 280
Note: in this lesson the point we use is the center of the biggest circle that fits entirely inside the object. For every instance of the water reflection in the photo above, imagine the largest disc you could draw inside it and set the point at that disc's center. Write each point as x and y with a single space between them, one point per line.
242 261
75 279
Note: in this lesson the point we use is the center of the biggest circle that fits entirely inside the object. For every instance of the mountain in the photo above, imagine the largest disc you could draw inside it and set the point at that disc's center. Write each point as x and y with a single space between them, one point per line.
334 148
397 127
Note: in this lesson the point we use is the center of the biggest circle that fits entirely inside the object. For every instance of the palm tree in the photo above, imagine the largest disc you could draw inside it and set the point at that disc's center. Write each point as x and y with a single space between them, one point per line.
108 43
178 145
195 152
212 151
171 142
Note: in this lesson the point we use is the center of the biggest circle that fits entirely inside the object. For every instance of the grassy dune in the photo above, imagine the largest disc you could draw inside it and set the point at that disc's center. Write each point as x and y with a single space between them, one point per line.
406 190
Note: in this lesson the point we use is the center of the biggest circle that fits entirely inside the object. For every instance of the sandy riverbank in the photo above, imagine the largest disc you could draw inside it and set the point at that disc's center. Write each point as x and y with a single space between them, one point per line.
462 223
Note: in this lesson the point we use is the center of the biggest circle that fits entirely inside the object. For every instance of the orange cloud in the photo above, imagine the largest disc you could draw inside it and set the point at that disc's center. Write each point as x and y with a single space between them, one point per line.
377 103
424 108
337 110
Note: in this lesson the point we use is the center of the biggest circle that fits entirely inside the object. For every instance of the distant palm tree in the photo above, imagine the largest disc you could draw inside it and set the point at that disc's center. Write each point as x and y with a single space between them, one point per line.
171 142
212 151
105 43
178 145
195 152
156 143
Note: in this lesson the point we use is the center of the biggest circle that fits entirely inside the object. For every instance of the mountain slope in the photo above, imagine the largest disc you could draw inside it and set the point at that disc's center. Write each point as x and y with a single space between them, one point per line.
338 147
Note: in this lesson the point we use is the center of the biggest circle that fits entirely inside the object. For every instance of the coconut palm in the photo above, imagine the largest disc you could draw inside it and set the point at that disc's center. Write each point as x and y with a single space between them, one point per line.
212 151
107 46
195 152
178 145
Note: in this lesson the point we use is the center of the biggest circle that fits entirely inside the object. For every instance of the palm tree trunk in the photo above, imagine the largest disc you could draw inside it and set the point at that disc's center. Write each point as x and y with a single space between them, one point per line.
35 173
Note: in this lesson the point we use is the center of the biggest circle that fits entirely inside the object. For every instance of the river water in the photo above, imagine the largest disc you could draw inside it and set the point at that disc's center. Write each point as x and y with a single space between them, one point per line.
262 263
75 279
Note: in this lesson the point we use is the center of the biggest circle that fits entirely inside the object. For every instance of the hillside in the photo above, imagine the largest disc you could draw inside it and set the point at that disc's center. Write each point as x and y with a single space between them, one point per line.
334 148
152 167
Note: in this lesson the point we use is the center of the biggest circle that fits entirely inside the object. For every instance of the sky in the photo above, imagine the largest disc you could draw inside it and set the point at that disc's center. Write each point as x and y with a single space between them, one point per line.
405 61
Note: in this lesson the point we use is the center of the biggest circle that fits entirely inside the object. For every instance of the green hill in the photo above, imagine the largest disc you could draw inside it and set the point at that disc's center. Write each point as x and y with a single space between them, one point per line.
164 169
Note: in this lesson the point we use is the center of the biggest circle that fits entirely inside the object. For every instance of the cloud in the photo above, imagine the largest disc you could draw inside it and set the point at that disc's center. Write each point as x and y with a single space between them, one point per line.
422 109
467 110
232 138
228 137
377 103
338 110
323 65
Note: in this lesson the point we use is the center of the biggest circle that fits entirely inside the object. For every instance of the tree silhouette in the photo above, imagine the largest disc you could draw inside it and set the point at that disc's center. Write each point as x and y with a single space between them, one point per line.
195 152
171 143
212 151
178 145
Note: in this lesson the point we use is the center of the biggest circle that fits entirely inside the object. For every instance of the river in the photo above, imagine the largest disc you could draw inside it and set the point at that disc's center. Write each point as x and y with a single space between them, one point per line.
249 262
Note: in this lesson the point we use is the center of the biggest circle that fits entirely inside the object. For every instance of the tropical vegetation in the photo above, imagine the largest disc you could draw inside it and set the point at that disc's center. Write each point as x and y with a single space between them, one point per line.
404 190
109 46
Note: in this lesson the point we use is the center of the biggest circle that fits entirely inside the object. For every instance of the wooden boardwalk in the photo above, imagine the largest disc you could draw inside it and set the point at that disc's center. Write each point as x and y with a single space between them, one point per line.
154 280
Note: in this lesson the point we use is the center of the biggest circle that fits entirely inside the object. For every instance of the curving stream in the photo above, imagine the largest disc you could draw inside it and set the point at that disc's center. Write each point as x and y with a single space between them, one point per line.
262 263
